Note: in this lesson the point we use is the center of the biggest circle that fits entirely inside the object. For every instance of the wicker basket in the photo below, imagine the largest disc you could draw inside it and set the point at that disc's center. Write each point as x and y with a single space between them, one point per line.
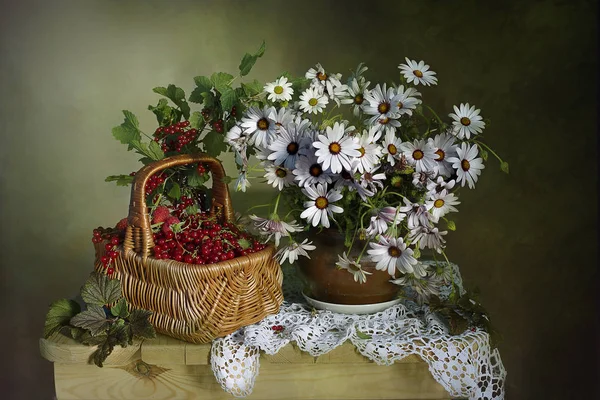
195 303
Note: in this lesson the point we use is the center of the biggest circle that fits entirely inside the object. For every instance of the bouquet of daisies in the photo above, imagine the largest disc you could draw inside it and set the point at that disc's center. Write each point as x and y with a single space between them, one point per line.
370 160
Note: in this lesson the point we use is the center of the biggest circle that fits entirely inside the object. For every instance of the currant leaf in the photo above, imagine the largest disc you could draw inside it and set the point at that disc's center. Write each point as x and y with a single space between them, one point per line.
100 290
59 315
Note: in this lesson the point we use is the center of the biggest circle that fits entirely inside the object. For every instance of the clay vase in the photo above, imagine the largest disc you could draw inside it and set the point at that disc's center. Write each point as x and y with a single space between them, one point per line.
325 282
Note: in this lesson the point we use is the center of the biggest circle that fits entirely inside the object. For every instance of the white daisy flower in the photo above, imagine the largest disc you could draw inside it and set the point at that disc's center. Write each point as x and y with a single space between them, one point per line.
428 237
335 150
278 176
320 208
339 92
439 185
322 80
381 106
382 219
443 146
310 172
353 267
420 154
391 146
242 182
280 90
423 288
312 100
293 250
416 214
418 73
370 151
440 204
404 102
282 116
467 121
355 95
288 146
274 227
391 254
467 166
372 180
258 124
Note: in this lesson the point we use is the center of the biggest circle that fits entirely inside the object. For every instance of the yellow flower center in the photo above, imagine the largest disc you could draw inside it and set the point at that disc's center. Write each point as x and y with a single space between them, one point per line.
394 252
392 149
313 102
315 170
281 173
321 202
417 154
358 99
418 73
335 148
384 120
278 89
353 267
439 203
400 105
440 154
464 164
292 148
263 124
383 108
321 76
465 121
362 152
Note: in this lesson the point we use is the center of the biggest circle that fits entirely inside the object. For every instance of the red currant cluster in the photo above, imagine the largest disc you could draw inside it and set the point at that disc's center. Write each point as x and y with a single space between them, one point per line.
202 169
203 241
184 202
277 328
113 240
153 182
175 137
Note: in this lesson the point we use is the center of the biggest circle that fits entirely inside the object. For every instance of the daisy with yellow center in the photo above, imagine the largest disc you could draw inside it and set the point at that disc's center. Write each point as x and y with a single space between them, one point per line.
380 104
420 154
322 80
280 90
353 267
335 149
278 176
259 125
418 73
310 172
320 207
440 204
288 146
467 121
369 150
444 148
313 101
405 100
467 165
391 255
391 146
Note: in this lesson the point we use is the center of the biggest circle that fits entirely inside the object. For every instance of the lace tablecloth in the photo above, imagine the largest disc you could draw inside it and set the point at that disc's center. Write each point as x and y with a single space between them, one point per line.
465 365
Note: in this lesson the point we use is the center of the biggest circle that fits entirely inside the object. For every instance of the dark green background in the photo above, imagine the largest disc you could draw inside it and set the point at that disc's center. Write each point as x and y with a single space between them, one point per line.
527 240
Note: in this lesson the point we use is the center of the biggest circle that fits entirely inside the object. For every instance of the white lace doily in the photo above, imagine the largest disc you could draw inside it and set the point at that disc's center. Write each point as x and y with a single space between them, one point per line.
465 365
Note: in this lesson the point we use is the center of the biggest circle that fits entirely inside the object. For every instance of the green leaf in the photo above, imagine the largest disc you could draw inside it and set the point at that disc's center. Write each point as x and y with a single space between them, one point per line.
165 115
214 143
152 151
249 60
90 340
140 326
92 319
177 96
504 167
451 225
122 180
100 290
228 99
417 253
175 192
196 120
195 180
120 309
129 130
363 335
192 210
483 153
59 315
203 83
221 80
252 88
104 350
119 333
227 179
244 243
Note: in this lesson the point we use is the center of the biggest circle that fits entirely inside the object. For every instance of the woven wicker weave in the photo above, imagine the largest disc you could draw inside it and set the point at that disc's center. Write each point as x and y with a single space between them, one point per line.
195 303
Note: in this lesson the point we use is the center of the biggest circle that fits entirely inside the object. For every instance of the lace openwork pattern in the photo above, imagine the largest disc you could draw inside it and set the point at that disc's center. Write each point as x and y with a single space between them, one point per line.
465 365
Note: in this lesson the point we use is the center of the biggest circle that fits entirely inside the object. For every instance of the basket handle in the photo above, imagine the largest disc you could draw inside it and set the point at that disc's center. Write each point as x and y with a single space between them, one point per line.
138 235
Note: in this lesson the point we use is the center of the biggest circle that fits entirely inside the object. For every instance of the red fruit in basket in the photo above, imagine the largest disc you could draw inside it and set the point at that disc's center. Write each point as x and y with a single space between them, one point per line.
161 214
167 224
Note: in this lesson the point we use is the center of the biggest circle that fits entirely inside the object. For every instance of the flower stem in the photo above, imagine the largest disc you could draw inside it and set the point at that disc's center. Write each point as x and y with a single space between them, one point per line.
362 252
488 149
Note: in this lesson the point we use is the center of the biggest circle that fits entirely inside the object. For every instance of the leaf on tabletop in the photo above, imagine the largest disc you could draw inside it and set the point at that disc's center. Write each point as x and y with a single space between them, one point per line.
93 319
120 309
140 325
100 290
59 315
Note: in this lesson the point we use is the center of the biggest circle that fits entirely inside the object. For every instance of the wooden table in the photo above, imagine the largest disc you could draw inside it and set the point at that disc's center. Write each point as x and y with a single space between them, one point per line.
166 368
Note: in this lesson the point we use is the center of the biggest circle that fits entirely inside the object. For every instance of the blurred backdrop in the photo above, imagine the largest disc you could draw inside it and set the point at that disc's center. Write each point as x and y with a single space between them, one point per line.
528 240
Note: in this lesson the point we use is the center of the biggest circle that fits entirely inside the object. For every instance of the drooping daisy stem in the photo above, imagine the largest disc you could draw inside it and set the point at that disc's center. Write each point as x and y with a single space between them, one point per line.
276 204
488 149
362 251
439 120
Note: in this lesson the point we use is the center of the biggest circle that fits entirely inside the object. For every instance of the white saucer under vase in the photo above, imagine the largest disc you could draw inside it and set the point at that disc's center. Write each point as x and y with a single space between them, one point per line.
351 308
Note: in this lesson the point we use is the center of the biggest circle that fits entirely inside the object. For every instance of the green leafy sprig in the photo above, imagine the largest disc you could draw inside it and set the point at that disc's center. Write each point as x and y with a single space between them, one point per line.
106 322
